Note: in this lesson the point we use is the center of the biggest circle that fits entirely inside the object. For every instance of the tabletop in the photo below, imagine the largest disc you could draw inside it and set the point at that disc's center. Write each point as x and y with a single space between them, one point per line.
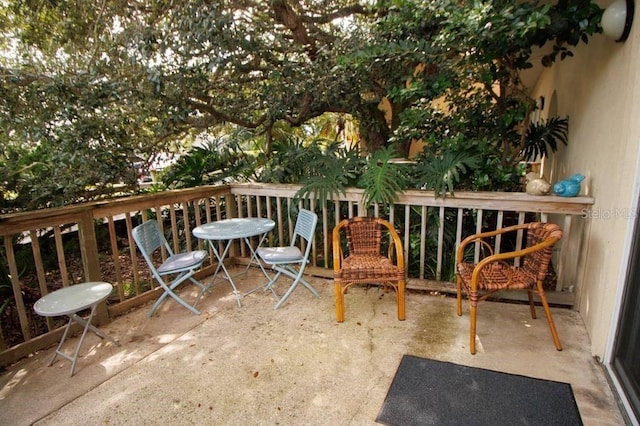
229 229
69 300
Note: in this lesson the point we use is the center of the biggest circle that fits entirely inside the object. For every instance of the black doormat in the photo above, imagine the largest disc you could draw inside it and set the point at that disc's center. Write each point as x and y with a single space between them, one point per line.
428 392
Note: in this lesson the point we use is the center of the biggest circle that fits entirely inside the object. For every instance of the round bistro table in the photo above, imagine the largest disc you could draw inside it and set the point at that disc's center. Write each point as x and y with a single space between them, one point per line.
234 229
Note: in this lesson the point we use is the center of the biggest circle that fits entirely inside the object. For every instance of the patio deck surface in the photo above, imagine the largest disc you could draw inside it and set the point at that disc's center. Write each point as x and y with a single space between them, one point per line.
295 365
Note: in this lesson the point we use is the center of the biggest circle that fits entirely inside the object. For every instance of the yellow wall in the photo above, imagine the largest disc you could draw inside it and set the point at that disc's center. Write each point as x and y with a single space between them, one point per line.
599 89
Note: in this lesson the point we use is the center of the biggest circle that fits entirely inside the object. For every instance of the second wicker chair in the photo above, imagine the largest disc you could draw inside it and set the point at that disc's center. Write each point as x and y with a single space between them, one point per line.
499 271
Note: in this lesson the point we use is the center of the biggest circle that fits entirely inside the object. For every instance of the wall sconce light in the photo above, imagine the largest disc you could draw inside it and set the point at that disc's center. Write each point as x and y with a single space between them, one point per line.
617 18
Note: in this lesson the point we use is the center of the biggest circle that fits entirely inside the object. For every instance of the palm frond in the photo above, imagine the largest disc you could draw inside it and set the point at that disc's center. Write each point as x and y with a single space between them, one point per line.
382 179
542 138
327 179
441 173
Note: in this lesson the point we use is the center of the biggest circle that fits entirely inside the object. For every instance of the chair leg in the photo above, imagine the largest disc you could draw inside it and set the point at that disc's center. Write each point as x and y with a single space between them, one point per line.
272 283
297 276
532 306
199 284
168 291
339 296
547 311
472 343
400 296
459 296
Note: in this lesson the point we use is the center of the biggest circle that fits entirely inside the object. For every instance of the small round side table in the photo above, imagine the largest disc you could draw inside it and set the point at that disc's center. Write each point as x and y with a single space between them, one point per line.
69 301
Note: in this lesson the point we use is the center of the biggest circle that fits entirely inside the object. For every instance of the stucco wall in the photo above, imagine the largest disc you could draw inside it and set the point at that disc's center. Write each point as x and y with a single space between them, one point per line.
599 89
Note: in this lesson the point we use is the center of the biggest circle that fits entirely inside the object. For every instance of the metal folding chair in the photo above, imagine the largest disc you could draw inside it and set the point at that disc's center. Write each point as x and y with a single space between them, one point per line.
149 238
290 260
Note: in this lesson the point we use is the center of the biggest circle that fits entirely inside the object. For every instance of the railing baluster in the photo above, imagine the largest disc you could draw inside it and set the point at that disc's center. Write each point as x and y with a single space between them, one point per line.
37 258
187 225
174 228
133 253
499 226
326 236
521 218
459 227
62 263
564 254
476 255
440 244
42 281
423 240
115 255
407 232
17 289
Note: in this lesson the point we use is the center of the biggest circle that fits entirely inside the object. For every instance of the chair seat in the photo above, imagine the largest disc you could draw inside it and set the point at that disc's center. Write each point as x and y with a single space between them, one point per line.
289 260
280 254
358 268
497 276
182 261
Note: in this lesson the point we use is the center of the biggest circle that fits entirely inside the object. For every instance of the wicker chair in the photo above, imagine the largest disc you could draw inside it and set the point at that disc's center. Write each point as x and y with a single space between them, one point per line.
500 271
364 262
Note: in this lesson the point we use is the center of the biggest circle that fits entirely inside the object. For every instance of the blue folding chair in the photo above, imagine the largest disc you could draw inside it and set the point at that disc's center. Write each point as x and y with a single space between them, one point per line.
149 238
290 260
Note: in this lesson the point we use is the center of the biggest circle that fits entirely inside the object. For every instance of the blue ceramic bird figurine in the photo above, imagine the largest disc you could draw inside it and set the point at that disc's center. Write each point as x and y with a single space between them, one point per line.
569 187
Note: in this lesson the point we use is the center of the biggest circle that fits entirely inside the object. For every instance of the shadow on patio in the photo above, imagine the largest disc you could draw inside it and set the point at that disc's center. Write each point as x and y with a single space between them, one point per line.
294 365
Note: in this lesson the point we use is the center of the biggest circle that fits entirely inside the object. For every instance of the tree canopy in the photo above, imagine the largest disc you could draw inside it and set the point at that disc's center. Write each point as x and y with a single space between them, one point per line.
90 88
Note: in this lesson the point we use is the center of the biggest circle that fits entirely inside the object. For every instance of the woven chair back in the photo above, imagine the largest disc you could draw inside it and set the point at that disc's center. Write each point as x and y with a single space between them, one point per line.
364 236
537 263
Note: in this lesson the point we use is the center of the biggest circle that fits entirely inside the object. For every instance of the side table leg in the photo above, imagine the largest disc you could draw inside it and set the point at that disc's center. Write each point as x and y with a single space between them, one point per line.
84 333
62 340
86 323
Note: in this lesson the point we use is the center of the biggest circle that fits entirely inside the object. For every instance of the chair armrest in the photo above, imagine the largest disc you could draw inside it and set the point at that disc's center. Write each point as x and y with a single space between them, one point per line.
338 256
482 235
395 246
507 255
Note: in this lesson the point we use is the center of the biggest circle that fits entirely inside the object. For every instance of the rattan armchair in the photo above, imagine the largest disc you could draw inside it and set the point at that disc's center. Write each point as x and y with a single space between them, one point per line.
364 261
500 271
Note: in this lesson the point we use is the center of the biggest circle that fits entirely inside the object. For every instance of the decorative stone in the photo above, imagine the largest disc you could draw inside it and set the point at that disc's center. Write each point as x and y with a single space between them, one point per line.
536 185
569 187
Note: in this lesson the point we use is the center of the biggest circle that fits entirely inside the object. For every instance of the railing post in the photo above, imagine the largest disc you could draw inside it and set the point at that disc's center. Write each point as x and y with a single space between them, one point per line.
90 258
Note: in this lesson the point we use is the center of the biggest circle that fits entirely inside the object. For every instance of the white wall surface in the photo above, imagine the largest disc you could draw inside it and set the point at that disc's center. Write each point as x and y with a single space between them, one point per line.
599 89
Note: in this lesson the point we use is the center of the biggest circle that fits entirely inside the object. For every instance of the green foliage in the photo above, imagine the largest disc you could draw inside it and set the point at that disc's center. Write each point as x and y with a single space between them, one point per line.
329 173
87 91
543 137
383 179
292 159
442 172
472 55
99 88
6 288
218 160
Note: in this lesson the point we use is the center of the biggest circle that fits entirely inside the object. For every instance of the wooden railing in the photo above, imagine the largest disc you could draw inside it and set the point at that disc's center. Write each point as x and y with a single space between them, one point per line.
40 247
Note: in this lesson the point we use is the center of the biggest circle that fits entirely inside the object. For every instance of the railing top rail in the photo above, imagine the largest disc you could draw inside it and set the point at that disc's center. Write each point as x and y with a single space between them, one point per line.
507 201
18 222
106 208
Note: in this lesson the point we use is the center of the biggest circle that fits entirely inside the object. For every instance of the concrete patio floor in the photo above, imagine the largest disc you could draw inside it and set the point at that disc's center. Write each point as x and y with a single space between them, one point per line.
295 365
